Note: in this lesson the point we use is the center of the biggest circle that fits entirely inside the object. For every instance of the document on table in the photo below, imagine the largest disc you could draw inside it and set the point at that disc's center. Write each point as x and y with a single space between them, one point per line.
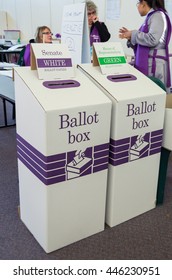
5 65
16 47
8 73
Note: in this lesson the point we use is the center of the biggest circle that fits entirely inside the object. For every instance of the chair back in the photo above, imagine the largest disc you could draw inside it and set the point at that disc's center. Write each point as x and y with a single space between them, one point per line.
21 57
158 82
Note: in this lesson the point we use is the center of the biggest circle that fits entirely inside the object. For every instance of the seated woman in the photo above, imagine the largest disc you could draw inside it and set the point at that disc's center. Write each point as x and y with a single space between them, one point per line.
43 35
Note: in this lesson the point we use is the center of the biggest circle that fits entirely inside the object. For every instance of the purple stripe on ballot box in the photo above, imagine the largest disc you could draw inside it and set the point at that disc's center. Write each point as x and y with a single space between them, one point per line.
145 153
156 139
155 145
44 165
118 155
157 132
136 147
100 167
101 147
101 154
46 159
156 142
101 160
46 181
64 166
118 162
155 151
45 173
120 141
87 171
54 62
119 148
101 157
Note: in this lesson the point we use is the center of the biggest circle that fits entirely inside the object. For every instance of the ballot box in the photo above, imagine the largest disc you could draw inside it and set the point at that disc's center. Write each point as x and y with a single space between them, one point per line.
138 107
63 132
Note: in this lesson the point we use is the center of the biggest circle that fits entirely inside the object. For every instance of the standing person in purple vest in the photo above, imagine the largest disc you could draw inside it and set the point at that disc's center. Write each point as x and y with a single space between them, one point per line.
98 30
150 42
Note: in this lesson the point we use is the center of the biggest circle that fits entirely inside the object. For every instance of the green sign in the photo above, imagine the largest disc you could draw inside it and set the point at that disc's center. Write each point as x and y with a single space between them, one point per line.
112 60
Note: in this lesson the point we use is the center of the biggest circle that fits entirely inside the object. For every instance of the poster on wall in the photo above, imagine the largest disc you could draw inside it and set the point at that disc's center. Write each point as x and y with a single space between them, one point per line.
75 32
113 8
3 25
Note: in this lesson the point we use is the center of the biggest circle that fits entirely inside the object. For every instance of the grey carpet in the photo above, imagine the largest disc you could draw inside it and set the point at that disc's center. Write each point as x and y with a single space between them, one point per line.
147 236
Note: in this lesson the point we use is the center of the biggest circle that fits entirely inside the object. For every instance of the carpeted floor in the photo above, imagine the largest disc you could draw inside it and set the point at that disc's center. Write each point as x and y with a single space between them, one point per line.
147 236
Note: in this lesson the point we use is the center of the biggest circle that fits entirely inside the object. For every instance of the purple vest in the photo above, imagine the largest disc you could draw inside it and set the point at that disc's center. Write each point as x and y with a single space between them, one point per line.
27 55
94 36
142 52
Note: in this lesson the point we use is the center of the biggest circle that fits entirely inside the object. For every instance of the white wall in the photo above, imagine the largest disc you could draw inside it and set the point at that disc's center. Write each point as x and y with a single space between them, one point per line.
26 15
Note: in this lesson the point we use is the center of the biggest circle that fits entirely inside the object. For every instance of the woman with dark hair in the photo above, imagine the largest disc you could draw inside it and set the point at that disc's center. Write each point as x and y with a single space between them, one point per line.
43 35
150 42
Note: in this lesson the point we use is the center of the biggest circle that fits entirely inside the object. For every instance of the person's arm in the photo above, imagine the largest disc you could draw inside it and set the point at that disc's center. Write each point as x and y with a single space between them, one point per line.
152 38
103 31
124 33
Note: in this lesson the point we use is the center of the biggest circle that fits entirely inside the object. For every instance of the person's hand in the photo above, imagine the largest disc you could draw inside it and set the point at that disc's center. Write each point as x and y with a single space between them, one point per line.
124 33
123 30
95 19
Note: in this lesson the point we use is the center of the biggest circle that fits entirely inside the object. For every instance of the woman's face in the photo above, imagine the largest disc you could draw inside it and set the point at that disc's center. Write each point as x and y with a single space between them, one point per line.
91 15
46 36
142 8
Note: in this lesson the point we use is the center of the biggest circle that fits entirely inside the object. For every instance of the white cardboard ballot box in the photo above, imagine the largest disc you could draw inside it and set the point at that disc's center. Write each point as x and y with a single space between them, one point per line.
138 107
63 130
167 135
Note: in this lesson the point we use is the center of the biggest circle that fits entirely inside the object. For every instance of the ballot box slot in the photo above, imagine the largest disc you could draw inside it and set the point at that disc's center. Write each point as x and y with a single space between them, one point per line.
121 78
61 84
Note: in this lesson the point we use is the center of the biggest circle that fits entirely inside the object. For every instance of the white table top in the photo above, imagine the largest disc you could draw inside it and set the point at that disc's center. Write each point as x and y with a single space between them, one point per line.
7 88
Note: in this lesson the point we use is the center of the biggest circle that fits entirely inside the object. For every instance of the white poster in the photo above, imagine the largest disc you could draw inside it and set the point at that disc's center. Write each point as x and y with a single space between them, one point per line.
113 9
75 32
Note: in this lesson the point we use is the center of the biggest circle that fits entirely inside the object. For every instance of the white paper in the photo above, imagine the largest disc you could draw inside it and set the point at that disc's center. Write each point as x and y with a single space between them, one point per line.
75 32
53 61
112 9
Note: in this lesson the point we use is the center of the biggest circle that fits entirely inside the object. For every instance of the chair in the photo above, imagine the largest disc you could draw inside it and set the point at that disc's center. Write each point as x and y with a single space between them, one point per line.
7 95
158 82
163 159
21 57
31 41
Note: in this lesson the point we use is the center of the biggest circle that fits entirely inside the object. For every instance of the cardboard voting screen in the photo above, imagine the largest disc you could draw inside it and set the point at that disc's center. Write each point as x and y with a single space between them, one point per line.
75 32
110 57
52 61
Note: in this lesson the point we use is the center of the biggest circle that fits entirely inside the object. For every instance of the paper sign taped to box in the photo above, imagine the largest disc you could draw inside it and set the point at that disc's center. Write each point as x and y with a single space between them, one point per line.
75 32
110 57
52 61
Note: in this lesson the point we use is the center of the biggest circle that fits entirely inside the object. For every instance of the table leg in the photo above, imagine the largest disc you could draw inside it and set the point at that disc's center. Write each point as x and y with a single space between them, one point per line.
5 111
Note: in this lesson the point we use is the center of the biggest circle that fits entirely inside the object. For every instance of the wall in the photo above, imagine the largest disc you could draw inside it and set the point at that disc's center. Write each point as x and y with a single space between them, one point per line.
3 22
26 15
